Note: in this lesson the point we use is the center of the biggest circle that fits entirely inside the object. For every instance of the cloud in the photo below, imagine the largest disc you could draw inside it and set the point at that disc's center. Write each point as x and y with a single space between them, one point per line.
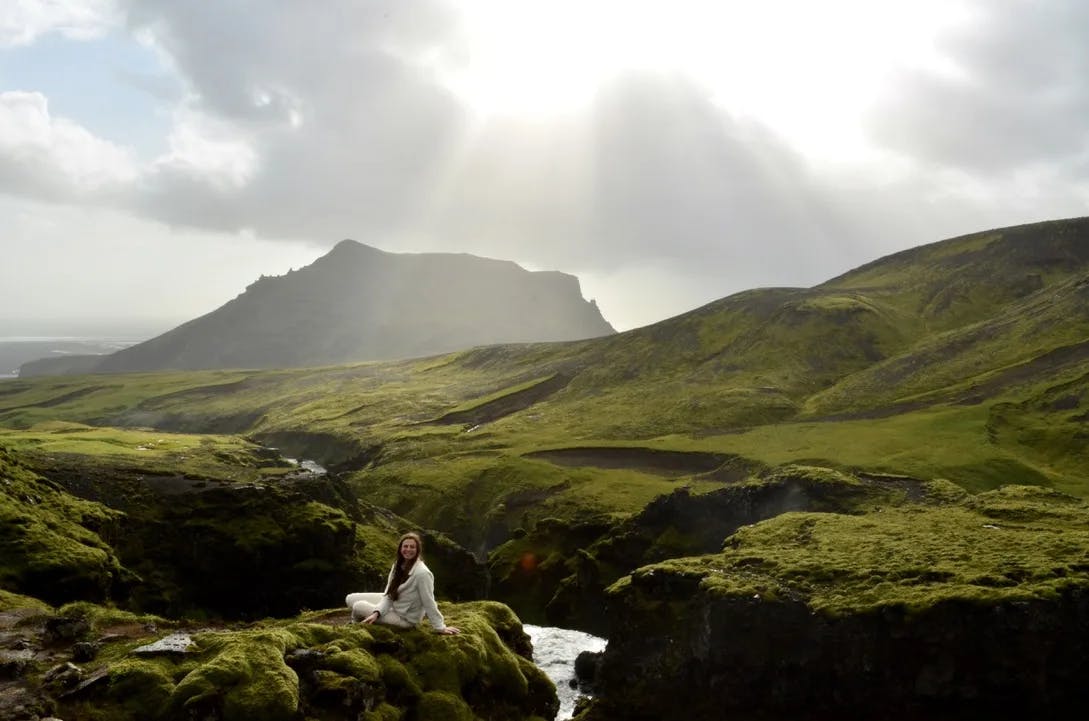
24 21
1012 94
299 123
290 124
54 158
651 171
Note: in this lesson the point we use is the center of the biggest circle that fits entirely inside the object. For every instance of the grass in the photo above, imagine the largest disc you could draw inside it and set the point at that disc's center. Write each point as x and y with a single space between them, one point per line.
218 456
940 442
1012 544
942 361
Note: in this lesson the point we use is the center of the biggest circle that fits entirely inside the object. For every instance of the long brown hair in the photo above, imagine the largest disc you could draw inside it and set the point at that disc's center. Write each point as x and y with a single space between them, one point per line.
401 567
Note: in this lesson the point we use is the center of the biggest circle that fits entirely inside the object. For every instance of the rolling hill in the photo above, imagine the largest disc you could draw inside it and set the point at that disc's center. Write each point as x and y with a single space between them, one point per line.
965 359
893 455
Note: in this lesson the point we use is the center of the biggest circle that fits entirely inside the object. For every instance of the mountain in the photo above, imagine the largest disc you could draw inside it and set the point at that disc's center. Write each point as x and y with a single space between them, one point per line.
358 303
965 359
885 462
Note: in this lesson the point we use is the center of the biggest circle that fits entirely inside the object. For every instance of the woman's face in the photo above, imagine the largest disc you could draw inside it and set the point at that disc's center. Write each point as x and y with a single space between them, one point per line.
409 549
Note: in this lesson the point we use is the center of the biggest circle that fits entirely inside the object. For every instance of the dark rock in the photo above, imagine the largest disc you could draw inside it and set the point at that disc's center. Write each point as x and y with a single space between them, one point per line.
65 675
84 651
345 694
15 664
100 676
822 615
61 629
18 703
587 664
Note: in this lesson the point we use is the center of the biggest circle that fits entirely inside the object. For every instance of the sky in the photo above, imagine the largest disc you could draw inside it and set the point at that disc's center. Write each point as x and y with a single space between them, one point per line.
158 156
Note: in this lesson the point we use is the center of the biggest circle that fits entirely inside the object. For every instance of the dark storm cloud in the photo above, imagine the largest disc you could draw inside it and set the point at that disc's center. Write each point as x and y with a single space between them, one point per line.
1016 95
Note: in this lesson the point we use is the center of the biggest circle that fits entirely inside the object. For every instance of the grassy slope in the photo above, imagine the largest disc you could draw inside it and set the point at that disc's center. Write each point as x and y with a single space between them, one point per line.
960 359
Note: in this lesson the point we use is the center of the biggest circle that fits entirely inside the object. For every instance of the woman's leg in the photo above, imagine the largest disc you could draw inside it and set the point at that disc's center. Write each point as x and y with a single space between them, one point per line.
364 604
352 598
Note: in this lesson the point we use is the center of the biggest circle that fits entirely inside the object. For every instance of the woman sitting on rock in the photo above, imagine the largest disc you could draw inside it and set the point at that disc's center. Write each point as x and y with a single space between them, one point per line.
409 596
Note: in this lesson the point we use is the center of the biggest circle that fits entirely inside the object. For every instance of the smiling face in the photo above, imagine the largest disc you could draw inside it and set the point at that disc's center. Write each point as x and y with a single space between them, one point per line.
409 549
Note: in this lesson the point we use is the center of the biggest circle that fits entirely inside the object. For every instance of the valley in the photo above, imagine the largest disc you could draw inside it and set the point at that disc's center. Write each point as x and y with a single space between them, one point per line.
831 458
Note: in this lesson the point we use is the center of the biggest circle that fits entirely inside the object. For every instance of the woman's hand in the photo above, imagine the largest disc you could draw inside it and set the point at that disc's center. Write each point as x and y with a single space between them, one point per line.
372 617
450 631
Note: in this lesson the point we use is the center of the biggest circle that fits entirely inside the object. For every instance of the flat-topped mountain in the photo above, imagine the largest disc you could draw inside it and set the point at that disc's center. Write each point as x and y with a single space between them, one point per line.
358 303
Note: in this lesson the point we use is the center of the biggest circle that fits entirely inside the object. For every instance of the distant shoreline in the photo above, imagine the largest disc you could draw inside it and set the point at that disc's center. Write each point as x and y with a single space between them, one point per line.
16 350
98 340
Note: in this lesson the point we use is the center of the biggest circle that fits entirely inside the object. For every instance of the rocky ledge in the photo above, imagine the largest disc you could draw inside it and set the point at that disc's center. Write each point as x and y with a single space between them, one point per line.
89 662
976 607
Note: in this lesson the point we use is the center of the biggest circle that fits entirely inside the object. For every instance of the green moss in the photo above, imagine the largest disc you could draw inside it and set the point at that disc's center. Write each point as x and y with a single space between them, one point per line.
12 601
355 663
48 539
245 677
1012 544
443 706
383 712
100 617
142 689
223 458
245 674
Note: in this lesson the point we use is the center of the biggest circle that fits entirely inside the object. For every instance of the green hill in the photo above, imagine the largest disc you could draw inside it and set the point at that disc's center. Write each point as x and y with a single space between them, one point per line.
963 359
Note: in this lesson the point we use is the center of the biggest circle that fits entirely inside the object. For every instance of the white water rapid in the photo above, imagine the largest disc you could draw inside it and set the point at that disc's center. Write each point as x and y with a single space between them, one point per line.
554 651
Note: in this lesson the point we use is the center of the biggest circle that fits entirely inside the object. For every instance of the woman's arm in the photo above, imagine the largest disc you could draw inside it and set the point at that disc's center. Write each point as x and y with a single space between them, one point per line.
385 603
426 585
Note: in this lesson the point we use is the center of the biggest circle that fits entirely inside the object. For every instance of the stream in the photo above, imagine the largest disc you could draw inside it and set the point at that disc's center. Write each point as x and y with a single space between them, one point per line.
554 651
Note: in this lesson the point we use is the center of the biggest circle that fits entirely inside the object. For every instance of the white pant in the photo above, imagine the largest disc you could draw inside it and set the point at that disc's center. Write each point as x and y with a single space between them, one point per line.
364 604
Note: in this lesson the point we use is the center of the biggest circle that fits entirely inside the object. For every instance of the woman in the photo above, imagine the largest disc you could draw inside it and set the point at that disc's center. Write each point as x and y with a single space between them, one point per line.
409 596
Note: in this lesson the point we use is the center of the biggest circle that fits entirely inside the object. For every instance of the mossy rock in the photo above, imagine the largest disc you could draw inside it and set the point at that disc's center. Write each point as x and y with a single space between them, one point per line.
976 607
50 542
557 572
286 670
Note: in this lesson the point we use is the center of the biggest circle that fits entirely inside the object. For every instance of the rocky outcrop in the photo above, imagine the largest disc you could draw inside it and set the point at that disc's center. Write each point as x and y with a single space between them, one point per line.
150 541
51 543
114 666
975 609
557 573
358 303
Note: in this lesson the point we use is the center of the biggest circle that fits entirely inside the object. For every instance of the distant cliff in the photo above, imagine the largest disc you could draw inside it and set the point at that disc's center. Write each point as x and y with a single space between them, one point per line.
358 303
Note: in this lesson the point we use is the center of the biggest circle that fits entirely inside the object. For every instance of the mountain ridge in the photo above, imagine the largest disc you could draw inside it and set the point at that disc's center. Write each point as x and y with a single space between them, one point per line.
359 303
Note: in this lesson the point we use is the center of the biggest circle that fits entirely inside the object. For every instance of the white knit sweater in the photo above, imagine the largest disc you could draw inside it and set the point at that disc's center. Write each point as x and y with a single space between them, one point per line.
415 597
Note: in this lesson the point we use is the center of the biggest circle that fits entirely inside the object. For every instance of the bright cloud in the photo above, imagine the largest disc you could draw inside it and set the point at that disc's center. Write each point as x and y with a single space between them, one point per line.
669 153
24 21
55 156
209 151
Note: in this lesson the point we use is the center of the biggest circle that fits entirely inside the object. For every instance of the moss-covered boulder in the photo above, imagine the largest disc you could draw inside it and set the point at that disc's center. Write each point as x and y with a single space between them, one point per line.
922 611
312 667
51 544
